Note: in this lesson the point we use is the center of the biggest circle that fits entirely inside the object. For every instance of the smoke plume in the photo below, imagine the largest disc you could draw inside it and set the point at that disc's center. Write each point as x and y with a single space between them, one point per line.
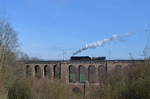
102 42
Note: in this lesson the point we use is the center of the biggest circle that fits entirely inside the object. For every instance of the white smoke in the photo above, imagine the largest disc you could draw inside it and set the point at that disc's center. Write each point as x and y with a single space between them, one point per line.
101 42
129 33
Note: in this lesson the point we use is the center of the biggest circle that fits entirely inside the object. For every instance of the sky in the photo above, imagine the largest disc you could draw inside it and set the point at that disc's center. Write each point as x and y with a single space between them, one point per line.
54 29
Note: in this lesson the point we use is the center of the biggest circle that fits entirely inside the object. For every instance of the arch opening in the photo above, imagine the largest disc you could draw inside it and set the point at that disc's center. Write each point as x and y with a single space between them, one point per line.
72 74
82 74
92 74
47 72
102 72
37 71
118 69
28 71
57 72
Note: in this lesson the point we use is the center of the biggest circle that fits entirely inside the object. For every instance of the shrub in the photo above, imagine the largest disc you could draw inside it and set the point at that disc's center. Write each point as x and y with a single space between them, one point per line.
45 89
20 89
133 84
40 89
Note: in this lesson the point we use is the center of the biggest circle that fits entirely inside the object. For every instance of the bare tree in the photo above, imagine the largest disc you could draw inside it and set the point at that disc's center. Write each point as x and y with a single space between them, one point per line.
8 43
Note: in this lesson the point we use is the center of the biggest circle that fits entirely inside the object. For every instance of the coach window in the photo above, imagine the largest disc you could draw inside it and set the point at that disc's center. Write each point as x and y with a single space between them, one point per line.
47 73
37 72
57 72
28 71
92 74
82 74
72 74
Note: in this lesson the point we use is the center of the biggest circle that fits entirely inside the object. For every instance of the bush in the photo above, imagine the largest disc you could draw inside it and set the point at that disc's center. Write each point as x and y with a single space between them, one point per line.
40 89
133 84
20 89
51 90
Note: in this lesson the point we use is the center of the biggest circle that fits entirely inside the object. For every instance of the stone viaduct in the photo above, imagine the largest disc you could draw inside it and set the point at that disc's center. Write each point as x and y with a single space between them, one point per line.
77 71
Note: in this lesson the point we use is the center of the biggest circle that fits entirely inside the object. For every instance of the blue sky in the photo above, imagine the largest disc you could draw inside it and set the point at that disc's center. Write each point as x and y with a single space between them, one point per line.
51 29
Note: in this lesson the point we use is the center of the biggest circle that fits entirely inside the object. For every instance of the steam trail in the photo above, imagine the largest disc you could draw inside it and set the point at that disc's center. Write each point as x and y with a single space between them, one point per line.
101 42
